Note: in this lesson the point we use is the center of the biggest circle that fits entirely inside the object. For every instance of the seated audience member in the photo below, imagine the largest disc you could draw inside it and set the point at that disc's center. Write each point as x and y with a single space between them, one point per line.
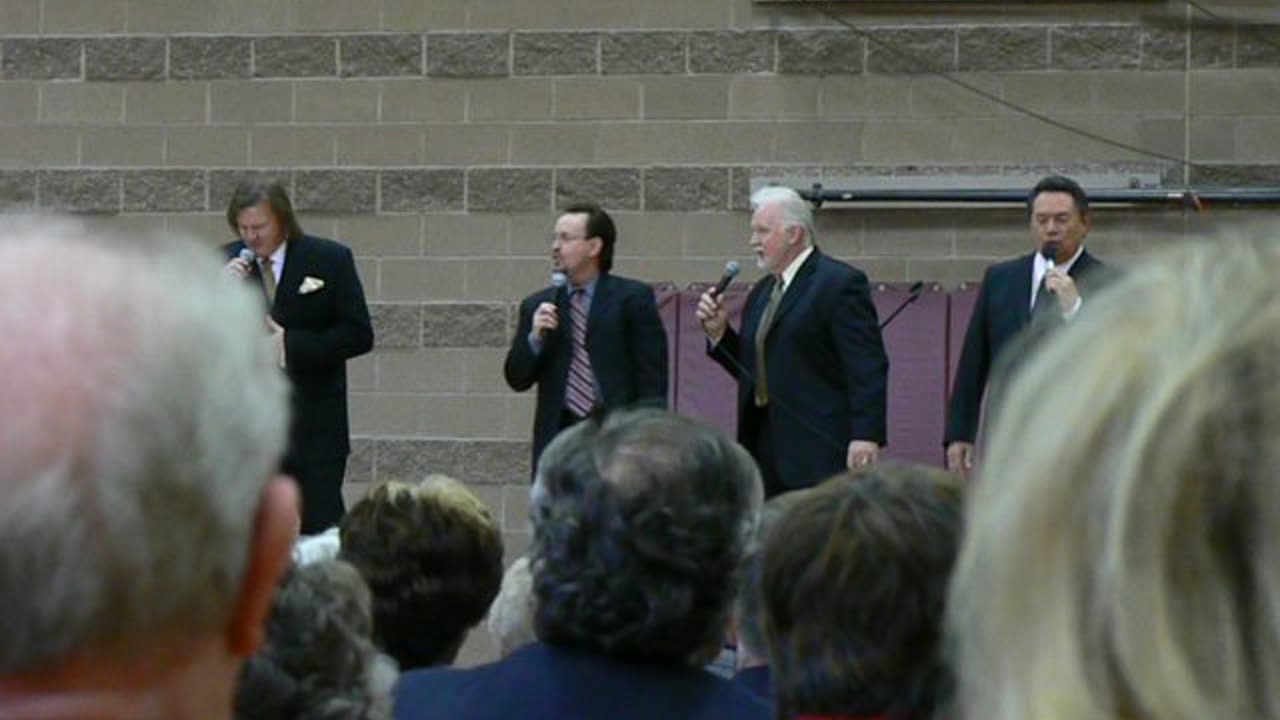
510 620
853 587
752 652
141 530
319 660
639 524
432 555
1123 544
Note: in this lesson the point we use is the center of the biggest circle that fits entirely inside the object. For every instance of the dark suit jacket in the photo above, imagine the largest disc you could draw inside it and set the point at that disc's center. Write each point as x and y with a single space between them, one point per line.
323 329
544 682
1000 314
828 373
625 340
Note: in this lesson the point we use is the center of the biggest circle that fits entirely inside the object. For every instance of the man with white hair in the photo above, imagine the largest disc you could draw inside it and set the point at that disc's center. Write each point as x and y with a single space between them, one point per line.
811 368
141 529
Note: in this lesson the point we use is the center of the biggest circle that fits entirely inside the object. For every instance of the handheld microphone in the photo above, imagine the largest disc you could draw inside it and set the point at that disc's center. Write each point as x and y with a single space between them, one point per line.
730 272
247 255
913 294
1049 251
559 279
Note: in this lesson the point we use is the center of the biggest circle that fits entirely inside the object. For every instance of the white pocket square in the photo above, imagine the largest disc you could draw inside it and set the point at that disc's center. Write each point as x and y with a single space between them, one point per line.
310 285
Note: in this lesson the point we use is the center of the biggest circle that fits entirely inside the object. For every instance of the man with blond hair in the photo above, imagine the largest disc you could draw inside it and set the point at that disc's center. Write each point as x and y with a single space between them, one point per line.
141 529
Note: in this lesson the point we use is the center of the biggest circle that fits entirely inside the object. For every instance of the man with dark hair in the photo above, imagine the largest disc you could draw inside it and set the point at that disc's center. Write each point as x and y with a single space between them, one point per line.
318 320
639 525
591 340
432 554
1027 290
854 585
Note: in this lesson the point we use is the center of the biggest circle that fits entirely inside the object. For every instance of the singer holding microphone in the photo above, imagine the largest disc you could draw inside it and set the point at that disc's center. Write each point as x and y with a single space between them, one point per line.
810 363
317 318
592 340
1019 300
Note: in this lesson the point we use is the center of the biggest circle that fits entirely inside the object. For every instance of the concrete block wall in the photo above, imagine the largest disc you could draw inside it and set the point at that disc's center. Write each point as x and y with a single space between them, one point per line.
436 137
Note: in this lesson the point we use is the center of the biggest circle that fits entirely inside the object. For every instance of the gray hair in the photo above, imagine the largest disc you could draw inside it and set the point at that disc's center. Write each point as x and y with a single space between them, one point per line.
144 416
510 622
796 211
1123 558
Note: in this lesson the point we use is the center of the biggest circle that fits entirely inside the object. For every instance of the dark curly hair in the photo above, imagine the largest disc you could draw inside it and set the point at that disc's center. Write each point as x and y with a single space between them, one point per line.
432 554
639 524
318 662
853 588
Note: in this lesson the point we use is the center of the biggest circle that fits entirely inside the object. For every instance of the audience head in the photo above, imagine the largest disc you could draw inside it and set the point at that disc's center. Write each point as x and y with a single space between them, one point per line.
853 588
1125 529
140 530
319 661
748 615
432 554
640 519
510 620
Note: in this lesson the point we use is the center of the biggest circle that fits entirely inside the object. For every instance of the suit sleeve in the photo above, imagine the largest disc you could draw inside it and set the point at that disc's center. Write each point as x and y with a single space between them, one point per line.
725 352
521 368
971 374
865 365
648 343
351 332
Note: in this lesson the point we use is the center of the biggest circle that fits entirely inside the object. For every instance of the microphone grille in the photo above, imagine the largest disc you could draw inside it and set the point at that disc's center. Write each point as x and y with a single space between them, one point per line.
731 268
1049 251
559 279
247 255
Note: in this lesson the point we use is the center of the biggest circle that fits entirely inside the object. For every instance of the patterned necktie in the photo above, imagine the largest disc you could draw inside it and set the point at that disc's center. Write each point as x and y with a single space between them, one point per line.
580 393
762 331
268 278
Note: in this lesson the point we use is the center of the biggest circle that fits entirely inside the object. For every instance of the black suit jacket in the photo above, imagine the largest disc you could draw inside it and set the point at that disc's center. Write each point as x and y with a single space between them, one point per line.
1000 315
544 682
827 370
625 340
323 329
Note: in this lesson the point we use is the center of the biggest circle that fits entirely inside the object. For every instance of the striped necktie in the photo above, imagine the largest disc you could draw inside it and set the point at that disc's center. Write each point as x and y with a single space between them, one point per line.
580 393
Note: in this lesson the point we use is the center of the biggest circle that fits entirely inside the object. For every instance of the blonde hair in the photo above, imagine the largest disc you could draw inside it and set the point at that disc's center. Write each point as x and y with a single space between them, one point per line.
1123 553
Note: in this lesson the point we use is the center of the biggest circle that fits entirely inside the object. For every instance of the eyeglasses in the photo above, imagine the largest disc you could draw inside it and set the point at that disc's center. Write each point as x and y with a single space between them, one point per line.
562 238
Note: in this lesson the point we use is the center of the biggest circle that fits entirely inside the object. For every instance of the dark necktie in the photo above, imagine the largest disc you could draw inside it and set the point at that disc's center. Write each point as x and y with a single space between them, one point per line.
1043 308
762 330
580 394
268 278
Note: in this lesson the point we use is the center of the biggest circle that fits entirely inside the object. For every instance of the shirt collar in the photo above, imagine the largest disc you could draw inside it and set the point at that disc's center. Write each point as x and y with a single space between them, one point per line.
789 273
1041 265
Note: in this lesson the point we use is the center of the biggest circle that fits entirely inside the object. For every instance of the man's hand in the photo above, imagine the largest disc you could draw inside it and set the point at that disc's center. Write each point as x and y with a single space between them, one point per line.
960 458
713 316
277 338
1063 287
545 319
236 268
862 452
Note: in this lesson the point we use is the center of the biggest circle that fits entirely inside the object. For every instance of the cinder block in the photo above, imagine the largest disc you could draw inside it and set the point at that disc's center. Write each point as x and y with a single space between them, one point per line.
251 101
466 145
643 53
464 325
396 325
1224 92
122 146
597 99
295 56
19 103
508 189
920 233
202 146
555 14
863 96
165 103
820 52
686 98
613 188
773 97
463 235
79 103
291 145
336 192
553 144
312 15
418 16
686 188
900 140
504 279
1095 47
168 16
81 191
468 54
424 100
164 190
361 375
42 59
336 101
1143 93
20 17
651 234
555 53
382 235
249 16
731 142
915 50
209 58
419 279
380 145
424 190
124 58
509 99
82 16
717 235
998 48
483 370
933 96
430 370
381 55
18 189
731 52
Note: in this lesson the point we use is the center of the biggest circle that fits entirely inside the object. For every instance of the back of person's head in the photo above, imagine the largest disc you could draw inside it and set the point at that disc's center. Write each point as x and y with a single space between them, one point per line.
143 419
640 519
432 554
748 614
510 620
319 661
854 585
1124 536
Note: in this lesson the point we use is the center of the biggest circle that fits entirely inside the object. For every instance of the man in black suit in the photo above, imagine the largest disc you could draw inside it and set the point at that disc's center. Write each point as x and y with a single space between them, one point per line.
592 340
318 320
1025 292
810 362
639 523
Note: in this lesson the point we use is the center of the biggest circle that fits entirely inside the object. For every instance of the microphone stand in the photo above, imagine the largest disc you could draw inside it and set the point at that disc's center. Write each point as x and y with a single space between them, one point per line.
916 290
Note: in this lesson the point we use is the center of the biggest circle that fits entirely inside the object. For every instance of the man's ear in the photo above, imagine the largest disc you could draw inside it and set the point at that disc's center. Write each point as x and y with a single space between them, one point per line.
597 245
275 528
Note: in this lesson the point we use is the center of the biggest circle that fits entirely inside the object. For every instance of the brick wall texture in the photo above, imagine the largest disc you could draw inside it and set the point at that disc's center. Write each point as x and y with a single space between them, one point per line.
437 138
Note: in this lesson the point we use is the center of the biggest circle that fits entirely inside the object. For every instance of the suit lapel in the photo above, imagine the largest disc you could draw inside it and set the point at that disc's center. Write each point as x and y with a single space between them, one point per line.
1021 288
791 295
599 303
294 267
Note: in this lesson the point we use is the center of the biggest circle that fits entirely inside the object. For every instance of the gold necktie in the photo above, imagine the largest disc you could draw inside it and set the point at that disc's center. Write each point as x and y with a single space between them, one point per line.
762 331
268 278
